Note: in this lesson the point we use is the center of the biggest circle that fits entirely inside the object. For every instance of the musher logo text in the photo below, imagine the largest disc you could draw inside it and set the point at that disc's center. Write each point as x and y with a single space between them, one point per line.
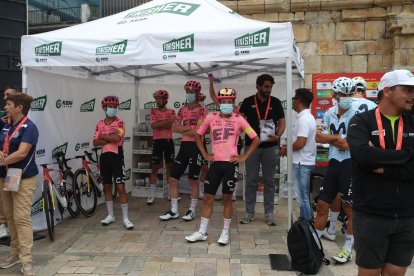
183 44
112 49
180 8
88 106
51 49
39 104
257 39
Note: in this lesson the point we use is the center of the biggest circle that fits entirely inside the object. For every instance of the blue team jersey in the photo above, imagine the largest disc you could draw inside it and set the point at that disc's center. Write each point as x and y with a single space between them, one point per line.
362 104
28 133
337 125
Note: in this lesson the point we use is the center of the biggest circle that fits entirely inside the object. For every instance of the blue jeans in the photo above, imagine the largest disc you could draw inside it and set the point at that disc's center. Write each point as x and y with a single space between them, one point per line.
301 180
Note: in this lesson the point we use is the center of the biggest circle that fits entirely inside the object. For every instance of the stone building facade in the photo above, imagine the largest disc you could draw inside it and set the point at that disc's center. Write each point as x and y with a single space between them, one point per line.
343 35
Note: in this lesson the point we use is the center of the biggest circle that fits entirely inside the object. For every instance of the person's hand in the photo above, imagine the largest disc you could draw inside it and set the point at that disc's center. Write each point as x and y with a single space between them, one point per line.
282 152
238 159
379 170
2 156
272 138
209 157
370 144
210 77
5 119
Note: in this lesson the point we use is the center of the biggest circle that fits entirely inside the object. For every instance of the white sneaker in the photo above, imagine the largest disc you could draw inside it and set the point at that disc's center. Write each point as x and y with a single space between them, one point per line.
196 236
328 236
4 232
150 200
224 238
128 225
170 215
108 220
189 216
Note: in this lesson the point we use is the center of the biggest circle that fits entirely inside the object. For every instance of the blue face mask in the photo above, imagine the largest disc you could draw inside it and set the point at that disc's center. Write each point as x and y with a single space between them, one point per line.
226 108
111 112
345 102
190 97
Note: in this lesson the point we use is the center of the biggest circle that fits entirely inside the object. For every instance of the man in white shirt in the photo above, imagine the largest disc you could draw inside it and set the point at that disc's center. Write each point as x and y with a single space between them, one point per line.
304 149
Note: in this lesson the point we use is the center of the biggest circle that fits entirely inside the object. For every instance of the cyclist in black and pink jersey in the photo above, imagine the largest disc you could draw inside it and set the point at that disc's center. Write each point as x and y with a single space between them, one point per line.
110 134
163 144
189 118
225 127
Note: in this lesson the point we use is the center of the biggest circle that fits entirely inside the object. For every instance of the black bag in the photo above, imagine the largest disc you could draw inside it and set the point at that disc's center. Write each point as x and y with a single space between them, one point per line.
307 256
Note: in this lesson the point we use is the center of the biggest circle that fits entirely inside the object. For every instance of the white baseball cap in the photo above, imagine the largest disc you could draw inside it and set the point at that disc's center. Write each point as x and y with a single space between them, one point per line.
396 77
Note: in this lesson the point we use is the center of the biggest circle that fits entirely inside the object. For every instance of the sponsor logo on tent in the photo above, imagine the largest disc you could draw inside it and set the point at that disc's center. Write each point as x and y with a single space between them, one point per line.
88 106
127 174
127 139
182 44
112 49
40 153
51 49
179 8
62 148
83 145
39 104
211 107
125 105
177 105
63 103
208 141
256 39
37 207
150 105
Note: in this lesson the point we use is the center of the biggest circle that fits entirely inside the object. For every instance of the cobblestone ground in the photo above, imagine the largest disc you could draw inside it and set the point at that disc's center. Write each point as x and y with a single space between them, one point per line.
84 247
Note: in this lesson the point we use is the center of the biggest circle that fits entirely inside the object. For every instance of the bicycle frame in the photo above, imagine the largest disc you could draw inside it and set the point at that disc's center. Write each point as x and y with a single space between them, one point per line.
52 188
91 175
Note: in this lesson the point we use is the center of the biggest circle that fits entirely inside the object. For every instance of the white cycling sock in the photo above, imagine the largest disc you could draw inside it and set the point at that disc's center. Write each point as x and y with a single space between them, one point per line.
226 224
152 190
110 207
124 210
333 219
349 241
193 205
203 225
174 205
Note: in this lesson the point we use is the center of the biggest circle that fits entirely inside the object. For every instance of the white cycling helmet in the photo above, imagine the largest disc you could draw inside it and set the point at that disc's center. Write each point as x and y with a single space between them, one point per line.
360 83
343 85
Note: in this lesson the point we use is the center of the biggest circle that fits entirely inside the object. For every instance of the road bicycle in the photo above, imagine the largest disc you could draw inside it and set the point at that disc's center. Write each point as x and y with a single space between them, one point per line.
50 191
88 183
69 178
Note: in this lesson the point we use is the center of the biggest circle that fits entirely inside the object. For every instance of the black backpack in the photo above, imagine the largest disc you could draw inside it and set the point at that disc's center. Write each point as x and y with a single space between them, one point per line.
304 251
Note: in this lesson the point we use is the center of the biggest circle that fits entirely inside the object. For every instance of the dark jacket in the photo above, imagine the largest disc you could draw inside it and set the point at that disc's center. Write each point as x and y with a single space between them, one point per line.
389 194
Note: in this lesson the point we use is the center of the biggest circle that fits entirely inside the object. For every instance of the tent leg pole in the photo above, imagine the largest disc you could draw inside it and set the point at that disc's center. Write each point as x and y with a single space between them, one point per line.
289 86
24 80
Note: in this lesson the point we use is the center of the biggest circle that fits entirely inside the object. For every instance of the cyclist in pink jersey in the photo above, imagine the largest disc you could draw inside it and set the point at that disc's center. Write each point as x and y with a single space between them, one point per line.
225 127
162 144
240 142
110 134
189 119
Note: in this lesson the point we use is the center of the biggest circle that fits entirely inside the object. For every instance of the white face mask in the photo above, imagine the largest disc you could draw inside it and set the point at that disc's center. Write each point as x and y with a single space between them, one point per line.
345 102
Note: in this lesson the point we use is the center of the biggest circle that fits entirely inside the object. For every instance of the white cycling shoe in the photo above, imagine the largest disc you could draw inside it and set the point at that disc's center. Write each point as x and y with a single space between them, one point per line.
108 220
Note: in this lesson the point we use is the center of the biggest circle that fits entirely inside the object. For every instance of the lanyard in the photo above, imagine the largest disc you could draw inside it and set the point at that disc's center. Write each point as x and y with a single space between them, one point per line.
6 145
257 109
381 131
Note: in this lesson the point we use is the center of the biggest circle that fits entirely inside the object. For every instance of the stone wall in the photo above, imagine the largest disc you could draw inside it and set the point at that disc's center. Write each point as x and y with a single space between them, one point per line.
343 36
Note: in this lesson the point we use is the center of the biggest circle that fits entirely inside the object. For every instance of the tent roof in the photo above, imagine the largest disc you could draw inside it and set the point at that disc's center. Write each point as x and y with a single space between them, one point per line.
165 32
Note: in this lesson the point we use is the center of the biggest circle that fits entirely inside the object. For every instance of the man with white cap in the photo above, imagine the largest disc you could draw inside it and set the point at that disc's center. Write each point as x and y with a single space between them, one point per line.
382 151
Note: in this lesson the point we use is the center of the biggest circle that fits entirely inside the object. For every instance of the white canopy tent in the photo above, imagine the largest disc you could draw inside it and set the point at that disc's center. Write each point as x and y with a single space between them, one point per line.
163 38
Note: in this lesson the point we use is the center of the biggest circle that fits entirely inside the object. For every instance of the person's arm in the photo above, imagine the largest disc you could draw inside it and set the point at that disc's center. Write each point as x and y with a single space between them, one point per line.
341 143
116 137
97 141
177 127
16 156
197 134
211 90
162 124
253 136
365 154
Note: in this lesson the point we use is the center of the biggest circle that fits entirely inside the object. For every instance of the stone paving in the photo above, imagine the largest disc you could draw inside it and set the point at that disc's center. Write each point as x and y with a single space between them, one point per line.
84 247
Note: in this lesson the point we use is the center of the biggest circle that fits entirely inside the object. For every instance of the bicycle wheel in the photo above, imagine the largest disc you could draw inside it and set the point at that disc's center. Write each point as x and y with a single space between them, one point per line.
48 209
85 196
73 207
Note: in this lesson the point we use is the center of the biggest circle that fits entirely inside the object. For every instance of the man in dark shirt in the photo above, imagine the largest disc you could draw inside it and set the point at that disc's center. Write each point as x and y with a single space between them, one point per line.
261 111
382 151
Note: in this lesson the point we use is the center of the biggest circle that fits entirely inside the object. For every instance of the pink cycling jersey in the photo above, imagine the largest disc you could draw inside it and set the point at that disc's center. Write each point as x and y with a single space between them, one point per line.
224 134
191 117
116 127
157 115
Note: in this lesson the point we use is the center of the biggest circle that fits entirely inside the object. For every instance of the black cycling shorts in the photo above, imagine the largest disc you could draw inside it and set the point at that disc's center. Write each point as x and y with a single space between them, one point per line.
221 171
338 179
111 166
160 148
190 156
